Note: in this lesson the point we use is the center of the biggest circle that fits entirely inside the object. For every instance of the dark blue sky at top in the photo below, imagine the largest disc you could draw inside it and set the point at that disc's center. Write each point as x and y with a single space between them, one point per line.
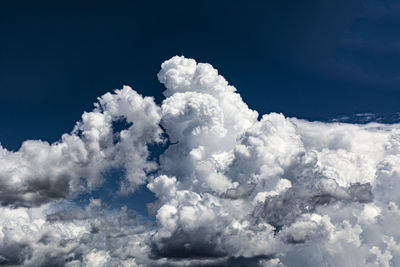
310 59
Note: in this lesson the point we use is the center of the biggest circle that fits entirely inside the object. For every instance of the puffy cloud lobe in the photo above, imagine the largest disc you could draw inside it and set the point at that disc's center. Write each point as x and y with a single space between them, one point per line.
181 75
231 190
40 172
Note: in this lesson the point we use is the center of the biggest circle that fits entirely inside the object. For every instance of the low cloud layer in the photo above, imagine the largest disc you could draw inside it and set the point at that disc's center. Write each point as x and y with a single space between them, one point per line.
231 189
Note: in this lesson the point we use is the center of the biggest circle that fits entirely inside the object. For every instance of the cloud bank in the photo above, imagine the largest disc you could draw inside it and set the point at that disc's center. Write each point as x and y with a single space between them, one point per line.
232 189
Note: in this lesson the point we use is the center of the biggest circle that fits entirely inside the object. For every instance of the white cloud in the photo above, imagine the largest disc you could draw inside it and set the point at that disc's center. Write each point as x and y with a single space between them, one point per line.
40 172
231 189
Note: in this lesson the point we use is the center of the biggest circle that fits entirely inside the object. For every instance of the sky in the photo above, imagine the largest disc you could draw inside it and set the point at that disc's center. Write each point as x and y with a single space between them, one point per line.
333 58
241 134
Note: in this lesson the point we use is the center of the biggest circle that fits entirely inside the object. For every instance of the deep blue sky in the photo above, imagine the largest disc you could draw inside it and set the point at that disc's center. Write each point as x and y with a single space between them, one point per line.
309 59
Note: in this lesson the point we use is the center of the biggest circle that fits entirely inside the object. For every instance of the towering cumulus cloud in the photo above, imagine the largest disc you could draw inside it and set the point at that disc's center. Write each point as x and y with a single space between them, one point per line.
231 189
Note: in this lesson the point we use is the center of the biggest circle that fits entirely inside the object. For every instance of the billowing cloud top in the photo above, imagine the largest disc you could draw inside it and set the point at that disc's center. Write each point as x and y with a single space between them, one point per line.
231 189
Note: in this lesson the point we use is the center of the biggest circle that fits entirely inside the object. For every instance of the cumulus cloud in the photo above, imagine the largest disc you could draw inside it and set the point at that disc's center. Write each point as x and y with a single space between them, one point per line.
71 236
40 172
231 189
